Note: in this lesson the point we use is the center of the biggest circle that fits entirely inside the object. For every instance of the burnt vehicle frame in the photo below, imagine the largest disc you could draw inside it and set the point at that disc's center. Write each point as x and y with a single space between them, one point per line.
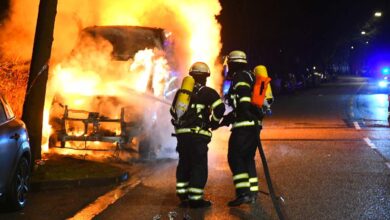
126 41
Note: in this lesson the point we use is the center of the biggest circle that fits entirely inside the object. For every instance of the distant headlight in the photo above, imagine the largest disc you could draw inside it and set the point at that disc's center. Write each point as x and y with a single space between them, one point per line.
382 84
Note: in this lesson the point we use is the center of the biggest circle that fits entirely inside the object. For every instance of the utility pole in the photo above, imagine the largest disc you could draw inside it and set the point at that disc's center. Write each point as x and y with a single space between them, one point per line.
36 88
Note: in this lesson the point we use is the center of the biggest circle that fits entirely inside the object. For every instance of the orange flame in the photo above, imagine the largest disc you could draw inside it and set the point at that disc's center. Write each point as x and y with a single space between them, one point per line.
193 25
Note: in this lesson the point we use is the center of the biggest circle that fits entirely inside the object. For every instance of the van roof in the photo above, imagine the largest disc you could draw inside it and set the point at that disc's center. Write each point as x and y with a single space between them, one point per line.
128 40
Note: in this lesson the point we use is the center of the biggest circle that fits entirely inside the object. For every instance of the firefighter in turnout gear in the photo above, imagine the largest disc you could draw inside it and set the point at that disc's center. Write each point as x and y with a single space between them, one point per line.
192 129
388 108
246 121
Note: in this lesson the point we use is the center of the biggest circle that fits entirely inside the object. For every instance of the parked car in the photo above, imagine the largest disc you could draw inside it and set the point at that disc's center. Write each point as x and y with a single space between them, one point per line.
301 80
289 83
15 158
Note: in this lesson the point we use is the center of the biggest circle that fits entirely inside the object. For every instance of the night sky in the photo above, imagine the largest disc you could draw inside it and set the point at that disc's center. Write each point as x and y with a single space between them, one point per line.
291 35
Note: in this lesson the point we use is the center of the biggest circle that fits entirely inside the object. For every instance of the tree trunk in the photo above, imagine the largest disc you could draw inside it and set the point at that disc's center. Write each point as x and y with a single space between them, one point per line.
36 88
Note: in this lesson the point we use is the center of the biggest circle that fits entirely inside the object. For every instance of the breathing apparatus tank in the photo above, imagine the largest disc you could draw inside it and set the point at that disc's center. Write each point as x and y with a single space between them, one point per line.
262 88
184 96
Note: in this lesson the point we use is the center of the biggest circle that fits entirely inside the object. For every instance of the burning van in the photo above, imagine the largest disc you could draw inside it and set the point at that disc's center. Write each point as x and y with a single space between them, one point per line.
114 86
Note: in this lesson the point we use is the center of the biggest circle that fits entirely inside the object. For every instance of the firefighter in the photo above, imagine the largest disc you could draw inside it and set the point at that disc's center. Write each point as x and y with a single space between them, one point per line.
192 130
246 125
388 107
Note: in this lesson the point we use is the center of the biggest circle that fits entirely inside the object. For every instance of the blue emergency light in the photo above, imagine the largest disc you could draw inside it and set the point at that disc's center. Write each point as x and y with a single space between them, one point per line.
226 86
385 70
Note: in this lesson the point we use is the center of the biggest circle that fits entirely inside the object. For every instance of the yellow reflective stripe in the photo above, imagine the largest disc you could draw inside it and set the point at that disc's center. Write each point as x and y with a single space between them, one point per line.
181 184
242 84
215 118
181 191
245 123
216 103
254 188
200 106
183 130
195 190
245 99
203 132
196 130
195 197
243 185
253 180
241 176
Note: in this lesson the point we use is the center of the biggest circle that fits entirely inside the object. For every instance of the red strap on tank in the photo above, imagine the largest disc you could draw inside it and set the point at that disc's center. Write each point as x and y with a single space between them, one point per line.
259 90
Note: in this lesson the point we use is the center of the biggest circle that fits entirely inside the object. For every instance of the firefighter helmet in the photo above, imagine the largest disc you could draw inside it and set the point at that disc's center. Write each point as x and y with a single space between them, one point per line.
200 69
237 56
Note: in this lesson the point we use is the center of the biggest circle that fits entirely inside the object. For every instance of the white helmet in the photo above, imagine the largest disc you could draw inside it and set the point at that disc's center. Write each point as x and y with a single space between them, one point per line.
199 69
237 56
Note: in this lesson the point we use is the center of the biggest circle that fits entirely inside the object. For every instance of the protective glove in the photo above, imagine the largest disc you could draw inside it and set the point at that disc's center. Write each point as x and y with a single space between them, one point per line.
227 100
227 119
173 122
214 125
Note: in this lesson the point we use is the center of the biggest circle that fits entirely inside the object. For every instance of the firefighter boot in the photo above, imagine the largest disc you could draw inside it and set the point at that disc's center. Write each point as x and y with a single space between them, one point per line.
183 200
199 203
253 196
388 119
241 199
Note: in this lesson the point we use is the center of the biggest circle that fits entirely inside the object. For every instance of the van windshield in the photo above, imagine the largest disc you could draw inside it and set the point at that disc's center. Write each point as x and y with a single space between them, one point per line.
127 40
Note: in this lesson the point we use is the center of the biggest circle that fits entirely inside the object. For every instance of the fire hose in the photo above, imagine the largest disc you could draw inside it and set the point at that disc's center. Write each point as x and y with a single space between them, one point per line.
44 67
149 96
275 199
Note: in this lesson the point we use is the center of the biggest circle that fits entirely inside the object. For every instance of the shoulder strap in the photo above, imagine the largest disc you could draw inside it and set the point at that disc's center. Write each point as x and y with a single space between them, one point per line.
251 77
197 88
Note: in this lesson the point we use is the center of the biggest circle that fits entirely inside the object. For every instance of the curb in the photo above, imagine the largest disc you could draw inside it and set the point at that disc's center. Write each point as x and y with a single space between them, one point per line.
66 184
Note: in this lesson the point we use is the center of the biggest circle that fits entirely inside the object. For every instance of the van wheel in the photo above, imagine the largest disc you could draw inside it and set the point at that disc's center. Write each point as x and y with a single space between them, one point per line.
52 140
16 197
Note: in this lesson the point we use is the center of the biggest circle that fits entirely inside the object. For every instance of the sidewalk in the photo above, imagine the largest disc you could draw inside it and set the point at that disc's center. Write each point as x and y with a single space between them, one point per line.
58 172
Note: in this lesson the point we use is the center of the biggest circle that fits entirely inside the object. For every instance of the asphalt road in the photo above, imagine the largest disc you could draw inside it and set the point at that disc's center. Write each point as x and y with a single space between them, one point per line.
328 151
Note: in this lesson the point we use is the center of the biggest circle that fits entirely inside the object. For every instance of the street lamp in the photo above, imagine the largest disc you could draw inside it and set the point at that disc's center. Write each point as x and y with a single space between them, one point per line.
378 14
363 33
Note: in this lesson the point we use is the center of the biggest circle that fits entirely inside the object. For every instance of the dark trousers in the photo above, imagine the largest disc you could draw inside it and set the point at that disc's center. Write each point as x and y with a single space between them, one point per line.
388 107
191 172
243 143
